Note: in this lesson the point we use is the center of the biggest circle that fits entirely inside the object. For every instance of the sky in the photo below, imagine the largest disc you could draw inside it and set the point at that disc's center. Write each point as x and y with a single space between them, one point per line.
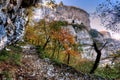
90 7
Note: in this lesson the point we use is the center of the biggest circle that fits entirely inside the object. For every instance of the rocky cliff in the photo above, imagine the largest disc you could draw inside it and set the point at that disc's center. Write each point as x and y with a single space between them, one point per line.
62 13
14 16
12 21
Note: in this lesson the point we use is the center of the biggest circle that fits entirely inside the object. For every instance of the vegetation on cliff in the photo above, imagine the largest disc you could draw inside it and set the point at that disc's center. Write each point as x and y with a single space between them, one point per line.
52 39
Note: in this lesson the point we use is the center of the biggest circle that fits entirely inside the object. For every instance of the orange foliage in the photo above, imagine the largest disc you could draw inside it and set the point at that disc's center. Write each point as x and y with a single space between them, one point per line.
31 36
55 32
67 40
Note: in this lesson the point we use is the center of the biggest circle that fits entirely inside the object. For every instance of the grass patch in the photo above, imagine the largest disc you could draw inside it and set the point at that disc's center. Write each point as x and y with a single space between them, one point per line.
41 52
7 75
16 59
4 55
109 72
84 66
15 49
57 62
21 43
13 56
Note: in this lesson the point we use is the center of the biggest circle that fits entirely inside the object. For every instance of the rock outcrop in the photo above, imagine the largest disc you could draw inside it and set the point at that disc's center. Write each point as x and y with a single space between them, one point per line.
13 18
35 68
86 38
105 34
72 15
111 47
12 21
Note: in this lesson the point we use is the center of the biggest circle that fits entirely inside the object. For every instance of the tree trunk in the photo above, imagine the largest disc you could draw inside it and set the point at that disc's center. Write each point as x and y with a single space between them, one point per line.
96 63
97 58
54 49
47 41
68 59
53 52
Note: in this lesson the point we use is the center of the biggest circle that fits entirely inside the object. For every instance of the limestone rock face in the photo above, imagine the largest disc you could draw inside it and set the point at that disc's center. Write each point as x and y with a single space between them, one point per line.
13 18
86 38
72 15
105 34
12 22
83 36
3 37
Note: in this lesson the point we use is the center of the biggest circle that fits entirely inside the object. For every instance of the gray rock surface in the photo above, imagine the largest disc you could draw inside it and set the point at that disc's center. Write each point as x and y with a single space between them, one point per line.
85 38
12 22
62 13
44 69
13 19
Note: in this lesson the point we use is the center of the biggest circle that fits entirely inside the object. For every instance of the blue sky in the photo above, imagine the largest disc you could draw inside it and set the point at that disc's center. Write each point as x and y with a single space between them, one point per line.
88 5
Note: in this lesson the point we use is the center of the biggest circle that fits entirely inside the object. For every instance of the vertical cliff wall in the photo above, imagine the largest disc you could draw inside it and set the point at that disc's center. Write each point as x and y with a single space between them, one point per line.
72 15
13 19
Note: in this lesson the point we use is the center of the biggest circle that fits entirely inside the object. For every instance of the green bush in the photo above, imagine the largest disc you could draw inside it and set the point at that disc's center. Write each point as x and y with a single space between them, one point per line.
4 55
94 33
13 56
7 75
15 49
84 66
41 52
111 73
56 25
21 43
16 58
57 62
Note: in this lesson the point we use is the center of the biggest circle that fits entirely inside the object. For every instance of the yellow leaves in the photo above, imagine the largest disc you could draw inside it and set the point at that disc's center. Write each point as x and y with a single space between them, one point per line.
69 50
67 37
63 36
39 33
67 40
31 35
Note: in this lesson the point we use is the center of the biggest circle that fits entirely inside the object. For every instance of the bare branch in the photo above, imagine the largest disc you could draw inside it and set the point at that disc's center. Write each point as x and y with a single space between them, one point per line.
111 56
104 45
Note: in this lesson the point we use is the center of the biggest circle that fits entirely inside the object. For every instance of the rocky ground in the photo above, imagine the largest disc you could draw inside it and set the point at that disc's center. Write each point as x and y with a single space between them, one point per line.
34 68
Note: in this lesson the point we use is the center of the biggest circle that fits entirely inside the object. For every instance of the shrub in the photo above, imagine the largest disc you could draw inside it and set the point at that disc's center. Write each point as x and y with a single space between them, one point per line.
108 72
15 49
7 75
84 66
41 52
57 62
94 33
4 55
16 58
13 56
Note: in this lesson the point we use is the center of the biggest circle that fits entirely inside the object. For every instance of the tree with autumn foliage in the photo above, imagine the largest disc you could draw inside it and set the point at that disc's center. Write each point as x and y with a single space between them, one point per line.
52 37
65 38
